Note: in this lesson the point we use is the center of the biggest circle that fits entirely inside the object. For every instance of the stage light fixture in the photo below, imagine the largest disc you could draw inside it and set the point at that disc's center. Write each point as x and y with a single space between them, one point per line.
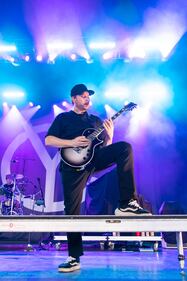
39 58
52 57
64 103
5 108
107 56
85 55
73 56
27 58
90 60
31 104
12 59
57 110
67 105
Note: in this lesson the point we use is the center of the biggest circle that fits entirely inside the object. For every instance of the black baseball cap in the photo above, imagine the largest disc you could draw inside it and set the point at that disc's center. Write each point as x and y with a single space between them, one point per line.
79 89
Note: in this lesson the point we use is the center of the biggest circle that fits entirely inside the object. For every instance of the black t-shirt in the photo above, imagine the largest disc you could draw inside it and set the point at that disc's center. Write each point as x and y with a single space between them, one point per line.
68 125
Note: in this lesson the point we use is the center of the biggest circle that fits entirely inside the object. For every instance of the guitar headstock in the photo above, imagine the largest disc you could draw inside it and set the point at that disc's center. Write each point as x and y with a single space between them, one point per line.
130 106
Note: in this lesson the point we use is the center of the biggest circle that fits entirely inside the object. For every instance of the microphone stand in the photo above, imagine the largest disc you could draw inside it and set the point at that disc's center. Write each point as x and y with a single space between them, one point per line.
42 195
43 206
29 246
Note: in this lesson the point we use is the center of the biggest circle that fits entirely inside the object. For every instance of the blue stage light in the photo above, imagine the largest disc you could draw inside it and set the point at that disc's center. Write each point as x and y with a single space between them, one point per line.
7 48
13 94
102 45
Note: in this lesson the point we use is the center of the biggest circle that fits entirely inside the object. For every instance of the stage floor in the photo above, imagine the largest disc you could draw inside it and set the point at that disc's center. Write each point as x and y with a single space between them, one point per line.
96 265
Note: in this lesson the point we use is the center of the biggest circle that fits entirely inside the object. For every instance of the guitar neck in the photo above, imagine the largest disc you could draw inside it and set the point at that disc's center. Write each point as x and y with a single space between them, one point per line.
101 128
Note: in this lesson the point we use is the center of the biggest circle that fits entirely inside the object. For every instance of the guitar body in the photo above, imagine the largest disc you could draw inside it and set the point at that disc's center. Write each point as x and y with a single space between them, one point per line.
79 157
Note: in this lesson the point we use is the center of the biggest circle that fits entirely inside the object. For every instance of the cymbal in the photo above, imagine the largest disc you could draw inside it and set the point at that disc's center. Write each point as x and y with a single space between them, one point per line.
28 196
19 176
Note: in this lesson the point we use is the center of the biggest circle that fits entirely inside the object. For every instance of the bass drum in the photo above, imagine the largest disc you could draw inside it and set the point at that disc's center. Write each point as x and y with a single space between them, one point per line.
14 213
6 211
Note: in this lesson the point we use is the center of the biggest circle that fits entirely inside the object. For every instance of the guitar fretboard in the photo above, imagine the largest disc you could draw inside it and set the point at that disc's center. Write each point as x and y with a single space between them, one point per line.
130 106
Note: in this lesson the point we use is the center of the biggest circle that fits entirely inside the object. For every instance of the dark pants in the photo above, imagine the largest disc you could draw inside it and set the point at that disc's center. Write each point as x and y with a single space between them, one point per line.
119 153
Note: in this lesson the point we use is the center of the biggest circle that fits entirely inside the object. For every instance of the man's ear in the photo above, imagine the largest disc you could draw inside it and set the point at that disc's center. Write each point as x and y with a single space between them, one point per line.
73 99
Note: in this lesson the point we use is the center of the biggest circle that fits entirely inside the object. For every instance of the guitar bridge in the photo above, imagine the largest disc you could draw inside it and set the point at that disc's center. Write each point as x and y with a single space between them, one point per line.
77 149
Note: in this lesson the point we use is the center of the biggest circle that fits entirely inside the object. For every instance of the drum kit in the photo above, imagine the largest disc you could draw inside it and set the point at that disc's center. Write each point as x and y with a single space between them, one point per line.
12 196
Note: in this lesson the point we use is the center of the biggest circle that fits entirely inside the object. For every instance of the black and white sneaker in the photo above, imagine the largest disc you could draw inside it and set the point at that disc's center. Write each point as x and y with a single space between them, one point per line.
71 264
131 209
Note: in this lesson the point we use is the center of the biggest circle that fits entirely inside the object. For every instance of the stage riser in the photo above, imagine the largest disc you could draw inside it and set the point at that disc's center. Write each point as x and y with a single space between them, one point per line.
96 224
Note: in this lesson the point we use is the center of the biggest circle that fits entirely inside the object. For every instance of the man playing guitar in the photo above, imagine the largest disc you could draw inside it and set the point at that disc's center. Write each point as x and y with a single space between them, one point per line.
81 156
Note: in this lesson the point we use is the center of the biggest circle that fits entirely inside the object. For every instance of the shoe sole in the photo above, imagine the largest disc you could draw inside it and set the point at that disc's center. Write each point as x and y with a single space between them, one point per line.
120 214
77 267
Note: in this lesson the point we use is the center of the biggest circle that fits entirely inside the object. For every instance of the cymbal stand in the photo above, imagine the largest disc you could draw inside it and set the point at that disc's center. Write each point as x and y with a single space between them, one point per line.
12 199
29 247
1 206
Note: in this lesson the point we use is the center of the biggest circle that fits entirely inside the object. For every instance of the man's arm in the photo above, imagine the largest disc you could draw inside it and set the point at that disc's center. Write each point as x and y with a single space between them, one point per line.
109 130
57 142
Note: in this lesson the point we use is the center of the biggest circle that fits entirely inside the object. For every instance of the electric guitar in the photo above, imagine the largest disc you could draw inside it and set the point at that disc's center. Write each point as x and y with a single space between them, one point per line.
79 157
